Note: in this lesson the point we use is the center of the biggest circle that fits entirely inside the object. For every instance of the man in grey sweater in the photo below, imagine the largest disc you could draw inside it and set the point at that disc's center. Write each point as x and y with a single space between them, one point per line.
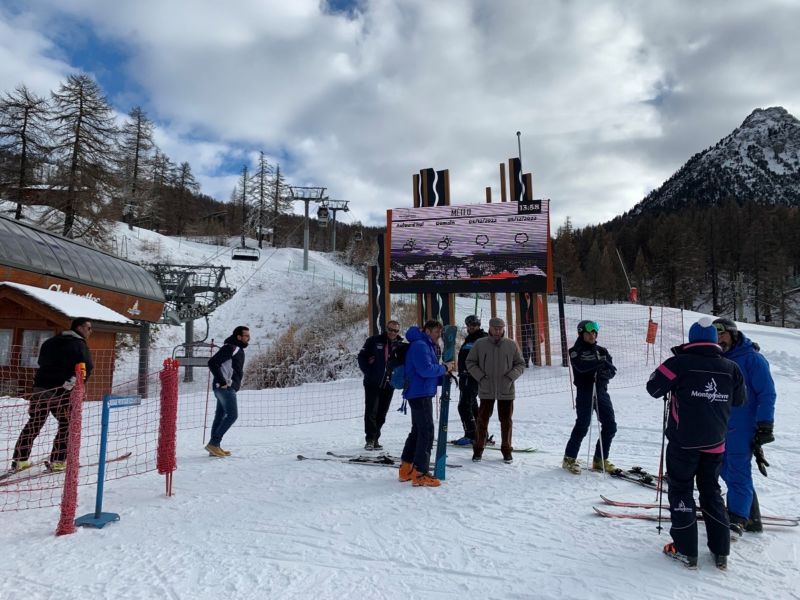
495 363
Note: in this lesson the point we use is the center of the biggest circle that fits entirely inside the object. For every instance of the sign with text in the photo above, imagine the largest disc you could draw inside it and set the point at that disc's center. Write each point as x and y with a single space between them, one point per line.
470 248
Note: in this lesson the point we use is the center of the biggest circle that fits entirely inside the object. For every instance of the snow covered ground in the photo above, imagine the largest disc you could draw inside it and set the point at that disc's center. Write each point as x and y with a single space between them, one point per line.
261 524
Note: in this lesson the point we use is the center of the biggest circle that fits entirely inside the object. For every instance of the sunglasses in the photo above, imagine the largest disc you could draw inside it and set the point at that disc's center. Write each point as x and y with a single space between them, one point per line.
592 327
390 330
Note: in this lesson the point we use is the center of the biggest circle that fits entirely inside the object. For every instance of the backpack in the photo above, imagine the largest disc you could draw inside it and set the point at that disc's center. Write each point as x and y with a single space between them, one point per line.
395 367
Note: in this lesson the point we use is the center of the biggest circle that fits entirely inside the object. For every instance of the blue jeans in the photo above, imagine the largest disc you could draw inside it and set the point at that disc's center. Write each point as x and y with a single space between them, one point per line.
226 415
420 440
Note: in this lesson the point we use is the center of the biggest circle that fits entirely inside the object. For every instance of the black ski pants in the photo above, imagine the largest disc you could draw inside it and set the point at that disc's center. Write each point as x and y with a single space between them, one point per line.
468 406
605 414
683 468
419 442
376 405
43 403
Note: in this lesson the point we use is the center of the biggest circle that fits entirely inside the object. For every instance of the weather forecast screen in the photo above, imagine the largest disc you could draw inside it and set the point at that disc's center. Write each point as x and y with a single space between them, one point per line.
471 248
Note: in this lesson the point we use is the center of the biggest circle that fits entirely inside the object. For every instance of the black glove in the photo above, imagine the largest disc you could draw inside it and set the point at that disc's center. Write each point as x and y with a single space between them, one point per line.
462 382
606 372
761 462
763 433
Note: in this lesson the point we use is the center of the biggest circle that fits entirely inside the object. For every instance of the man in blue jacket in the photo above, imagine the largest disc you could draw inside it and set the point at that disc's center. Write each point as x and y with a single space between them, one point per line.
424 373
227 368
702 387
377 392
750 426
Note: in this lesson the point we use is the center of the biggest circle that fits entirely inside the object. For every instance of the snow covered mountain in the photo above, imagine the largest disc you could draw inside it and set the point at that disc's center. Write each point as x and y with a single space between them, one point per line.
759 161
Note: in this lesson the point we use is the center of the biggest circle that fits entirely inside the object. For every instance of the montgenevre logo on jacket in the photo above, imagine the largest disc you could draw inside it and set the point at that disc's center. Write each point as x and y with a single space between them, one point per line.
711 393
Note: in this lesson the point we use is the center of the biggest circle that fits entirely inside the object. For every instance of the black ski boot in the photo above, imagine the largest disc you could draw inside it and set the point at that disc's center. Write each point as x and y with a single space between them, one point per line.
754 525
721 561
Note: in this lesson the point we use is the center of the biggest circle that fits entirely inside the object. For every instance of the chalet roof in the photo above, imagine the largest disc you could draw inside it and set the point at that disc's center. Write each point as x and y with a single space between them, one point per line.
70 305
30 248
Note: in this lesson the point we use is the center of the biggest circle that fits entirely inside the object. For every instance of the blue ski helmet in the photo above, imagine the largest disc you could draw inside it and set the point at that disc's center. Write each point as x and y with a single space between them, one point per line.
585 326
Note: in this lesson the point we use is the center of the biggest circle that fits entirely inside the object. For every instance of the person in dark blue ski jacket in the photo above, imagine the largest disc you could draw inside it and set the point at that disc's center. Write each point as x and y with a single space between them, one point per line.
227 369
749 427
702 387
378 393
467 386
592 369
424 373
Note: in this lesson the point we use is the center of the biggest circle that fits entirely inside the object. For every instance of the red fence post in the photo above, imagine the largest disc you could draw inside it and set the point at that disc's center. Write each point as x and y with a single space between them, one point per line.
166 460
69 497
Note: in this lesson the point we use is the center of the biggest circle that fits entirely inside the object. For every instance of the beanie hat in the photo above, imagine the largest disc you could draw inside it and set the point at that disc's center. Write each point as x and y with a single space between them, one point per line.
703 331
498 322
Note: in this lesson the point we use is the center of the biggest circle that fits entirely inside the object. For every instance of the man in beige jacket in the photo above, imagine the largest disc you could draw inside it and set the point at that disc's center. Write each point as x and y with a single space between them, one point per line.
495 362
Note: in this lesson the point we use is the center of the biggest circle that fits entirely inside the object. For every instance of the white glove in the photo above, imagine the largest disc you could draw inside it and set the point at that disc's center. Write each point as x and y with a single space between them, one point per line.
69 383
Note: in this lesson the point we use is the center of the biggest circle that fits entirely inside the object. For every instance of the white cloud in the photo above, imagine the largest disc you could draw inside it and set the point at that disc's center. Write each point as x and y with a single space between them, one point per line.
611 97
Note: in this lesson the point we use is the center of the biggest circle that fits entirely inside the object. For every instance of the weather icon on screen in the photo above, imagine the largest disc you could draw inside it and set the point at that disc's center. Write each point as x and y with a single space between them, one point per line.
482 240
410 244
521 239
445 243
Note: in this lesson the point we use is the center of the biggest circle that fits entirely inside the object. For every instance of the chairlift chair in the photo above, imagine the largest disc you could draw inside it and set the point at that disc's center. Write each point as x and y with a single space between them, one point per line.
358 236
322 216
245 253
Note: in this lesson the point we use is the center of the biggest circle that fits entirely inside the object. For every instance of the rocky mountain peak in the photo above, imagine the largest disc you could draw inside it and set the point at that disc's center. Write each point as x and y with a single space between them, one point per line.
758 161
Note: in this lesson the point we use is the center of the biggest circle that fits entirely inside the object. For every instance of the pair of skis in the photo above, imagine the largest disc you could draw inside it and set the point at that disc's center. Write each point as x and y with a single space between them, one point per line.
382 460
635 475
766 519
35 471
528 450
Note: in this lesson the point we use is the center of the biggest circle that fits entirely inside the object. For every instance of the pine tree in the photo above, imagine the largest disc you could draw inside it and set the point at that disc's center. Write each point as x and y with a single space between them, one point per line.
163 173
83 136
136 144
23 134
185 185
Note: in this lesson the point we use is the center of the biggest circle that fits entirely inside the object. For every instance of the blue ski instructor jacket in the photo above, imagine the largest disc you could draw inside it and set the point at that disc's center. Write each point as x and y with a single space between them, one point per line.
422 367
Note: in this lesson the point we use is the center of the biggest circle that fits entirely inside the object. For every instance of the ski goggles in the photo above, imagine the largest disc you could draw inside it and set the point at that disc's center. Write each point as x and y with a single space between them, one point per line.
591 326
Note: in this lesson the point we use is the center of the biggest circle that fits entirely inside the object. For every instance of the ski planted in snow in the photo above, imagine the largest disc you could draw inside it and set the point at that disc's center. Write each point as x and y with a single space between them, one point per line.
448 355
8 478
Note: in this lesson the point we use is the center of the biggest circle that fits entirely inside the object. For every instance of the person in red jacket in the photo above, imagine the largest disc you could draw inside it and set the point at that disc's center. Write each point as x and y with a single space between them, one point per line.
702 386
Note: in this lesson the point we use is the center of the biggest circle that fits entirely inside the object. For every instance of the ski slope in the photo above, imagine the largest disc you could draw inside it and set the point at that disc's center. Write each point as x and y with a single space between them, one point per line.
262 524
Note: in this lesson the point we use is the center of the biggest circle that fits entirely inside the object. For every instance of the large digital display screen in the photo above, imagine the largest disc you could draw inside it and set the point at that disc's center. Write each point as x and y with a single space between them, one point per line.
468 248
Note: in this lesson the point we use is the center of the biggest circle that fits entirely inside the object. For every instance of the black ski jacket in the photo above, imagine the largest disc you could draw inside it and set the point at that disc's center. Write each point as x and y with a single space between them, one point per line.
703 386
590 362
463 375
373 356
58 357
227 365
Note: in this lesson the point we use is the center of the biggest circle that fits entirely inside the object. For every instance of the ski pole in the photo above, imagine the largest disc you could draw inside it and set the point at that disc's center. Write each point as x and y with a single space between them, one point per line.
660 486
596 410
589 443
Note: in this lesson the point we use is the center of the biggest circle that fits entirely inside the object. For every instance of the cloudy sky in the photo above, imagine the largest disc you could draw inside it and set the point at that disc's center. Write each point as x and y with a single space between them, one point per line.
358 95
